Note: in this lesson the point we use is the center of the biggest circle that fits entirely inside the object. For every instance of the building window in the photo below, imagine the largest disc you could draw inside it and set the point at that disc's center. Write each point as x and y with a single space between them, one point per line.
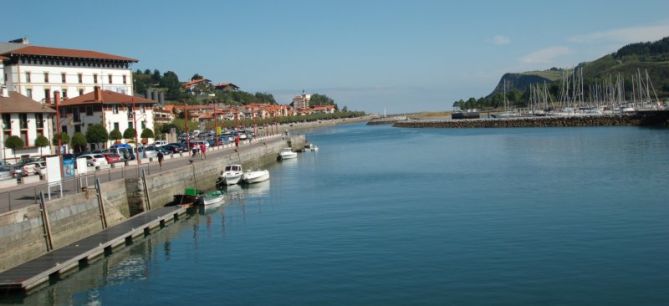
109 77
143 124
95 78
64 93
23 121
130 125
27 76
6 122
80 78
115 109
77 128
125 79
75 115
116 126
5 79
46 77
29 93
63 77
63 129
81 91
47 95
39 121
89 110
24 135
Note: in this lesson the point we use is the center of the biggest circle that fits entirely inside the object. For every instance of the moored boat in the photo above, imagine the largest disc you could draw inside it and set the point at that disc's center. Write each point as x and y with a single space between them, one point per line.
310 147
287 153
255 176
213 197
231 175
189 197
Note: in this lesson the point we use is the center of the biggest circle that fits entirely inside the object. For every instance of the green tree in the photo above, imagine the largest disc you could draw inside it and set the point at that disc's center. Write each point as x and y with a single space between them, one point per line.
147 133
14 142
129 134
115 135
155 77
79 142
97 134
196 76
65 139
318 99
41 141
170 80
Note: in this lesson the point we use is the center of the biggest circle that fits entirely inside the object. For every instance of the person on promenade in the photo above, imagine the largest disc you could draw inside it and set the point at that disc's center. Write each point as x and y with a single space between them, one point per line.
160 158
237 141
203 151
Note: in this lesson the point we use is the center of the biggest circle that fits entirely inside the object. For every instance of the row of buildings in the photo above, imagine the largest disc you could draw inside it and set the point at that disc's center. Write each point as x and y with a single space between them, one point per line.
90 87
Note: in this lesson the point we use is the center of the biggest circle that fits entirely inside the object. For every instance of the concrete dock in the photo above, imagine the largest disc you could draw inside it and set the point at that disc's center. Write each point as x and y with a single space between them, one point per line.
58 263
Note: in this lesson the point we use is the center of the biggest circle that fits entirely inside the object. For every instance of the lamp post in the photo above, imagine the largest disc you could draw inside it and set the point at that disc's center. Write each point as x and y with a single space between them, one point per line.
215 127
60 132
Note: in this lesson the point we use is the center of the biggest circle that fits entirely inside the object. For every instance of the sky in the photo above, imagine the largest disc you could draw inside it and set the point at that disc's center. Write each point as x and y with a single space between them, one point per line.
370 55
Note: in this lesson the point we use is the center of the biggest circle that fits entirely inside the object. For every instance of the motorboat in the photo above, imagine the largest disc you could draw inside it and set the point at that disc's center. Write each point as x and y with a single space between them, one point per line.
213 197
287 153
310 147
230 175
255 176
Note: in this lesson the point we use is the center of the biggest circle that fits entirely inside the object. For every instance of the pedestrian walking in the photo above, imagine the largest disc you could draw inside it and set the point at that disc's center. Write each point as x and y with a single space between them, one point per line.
203 151
160 158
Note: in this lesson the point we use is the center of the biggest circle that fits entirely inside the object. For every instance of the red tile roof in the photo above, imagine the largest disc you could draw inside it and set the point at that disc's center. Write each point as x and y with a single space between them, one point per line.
106 97
18 103
60 52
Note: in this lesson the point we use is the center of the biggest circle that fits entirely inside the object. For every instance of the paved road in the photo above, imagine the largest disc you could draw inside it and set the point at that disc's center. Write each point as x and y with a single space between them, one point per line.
24 195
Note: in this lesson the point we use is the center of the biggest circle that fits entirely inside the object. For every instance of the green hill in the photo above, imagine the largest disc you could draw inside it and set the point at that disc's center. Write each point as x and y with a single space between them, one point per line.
628 61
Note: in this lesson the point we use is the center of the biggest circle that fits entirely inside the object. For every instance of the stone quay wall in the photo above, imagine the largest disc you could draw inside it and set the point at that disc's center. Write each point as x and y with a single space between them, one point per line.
23 232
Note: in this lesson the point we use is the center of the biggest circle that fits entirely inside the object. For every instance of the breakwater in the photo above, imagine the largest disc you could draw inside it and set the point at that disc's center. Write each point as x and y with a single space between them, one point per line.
636 119
74 217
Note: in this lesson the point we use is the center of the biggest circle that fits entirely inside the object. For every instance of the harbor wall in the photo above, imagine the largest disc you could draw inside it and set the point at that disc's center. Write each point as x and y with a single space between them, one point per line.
581 121
71 218
77 216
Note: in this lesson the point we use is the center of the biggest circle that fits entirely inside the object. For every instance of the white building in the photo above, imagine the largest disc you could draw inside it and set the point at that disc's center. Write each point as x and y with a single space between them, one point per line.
113 110
38 72
27 119
302 101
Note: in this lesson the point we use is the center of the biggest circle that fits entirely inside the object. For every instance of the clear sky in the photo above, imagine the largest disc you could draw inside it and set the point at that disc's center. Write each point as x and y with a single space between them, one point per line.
366 54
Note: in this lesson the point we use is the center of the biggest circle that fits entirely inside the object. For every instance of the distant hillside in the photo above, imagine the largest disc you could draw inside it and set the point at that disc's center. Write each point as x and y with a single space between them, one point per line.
521 81
628 61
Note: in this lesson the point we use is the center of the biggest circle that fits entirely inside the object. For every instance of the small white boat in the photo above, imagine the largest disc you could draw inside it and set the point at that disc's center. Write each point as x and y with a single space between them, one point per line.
230 175
255 176
310 147
287 153
213 197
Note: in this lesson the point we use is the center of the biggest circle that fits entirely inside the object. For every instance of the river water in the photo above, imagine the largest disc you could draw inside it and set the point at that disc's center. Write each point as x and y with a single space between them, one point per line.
388 216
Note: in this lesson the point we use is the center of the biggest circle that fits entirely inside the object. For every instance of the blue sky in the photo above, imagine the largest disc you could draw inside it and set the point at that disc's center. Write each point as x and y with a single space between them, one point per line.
366 54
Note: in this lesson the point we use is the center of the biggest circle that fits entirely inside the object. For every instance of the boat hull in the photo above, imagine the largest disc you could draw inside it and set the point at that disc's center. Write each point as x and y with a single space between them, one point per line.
255 176
213 198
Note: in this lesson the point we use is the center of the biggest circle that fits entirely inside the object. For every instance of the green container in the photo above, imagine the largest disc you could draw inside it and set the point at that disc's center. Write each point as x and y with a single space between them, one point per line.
191 191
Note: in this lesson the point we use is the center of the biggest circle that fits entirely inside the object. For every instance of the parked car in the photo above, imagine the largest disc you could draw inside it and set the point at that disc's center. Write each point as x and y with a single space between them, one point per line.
159 143
35 167
174 148
94 160
148 152
5 173
125 151
112 158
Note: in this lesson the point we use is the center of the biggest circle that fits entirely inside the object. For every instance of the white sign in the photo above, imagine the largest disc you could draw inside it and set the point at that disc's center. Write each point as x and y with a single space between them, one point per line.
53 169
82 166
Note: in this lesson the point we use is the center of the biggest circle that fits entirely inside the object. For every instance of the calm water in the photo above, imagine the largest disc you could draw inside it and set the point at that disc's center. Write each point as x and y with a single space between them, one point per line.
387 216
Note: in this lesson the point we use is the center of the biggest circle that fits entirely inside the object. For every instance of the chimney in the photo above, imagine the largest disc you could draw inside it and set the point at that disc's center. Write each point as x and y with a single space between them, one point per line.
5 92
98 94
56 97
